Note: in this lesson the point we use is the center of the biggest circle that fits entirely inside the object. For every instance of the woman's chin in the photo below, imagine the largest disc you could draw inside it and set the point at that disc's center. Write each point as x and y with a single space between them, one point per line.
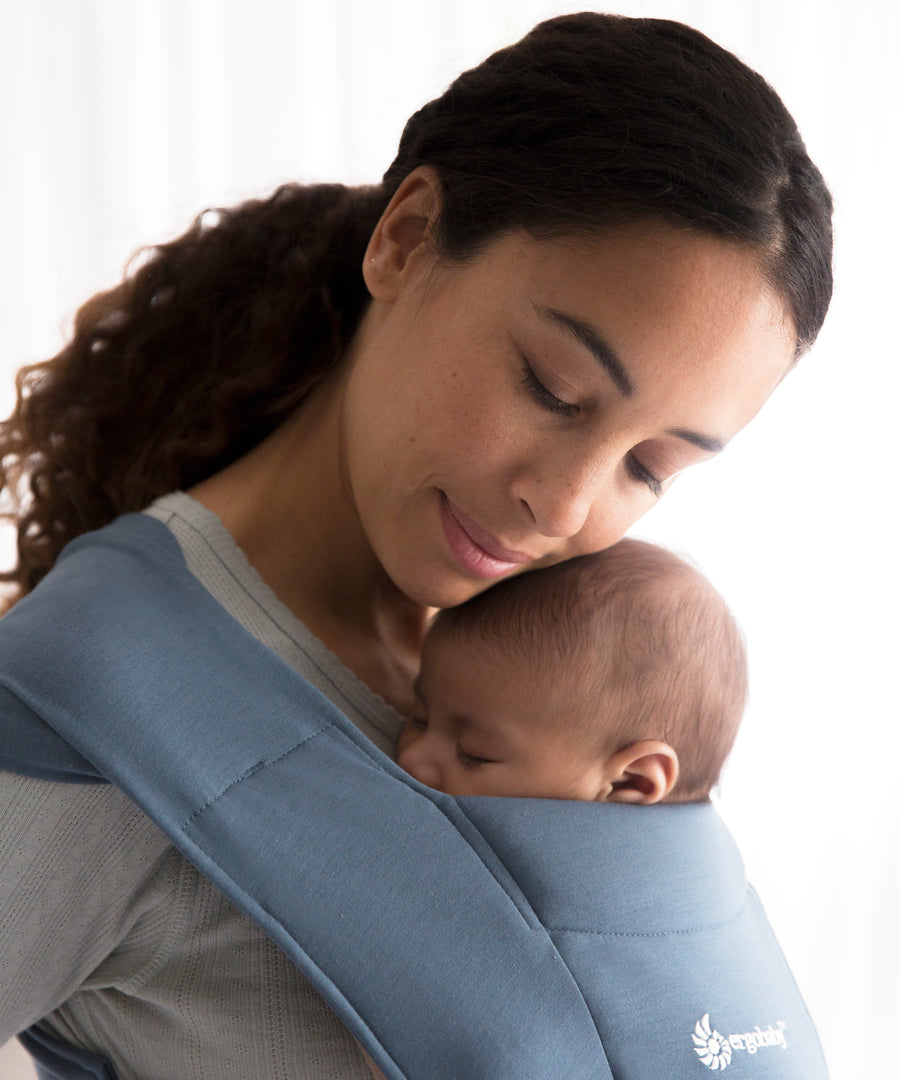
440 590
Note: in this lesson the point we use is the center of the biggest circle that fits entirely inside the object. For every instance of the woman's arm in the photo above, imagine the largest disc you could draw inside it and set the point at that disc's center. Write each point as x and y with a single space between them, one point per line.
73 859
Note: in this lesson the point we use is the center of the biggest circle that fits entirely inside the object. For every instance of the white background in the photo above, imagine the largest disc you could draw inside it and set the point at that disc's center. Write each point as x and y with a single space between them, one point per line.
120 119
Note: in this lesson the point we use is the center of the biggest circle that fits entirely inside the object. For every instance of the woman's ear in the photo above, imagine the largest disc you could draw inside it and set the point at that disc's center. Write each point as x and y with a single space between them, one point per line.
402 234
643 773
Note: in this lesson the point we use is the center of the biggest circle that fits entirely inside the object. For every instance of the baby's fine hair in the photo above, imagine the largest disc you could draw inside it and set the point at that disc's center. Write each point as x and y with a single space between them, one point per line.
650 648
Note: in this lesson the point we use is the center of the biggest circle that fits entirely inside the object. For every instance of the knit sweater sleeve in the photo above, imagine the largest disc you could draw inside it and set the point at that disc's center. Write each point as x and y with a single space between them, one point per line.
81 872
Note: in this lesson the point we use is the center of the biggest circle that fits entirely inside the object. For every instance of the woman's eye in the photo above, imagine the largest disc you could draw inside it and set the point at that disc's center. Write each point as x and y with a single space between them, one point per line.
543 396
642 473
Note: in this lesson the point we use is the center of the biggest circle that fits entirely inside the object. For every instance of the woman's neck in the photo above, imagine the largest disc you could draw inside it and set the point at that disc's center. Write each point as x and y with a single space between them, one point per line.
287 506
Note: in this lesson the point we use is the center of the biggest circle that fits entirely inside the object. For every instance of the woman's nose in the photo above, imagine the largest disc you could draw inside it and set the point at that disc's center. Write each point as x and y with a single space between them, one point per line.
562 495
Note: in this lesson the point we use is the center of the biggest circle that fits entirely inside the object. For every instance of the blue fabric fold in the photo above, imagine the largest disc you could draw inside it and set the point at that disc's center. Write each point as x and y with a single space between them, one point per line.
57 1060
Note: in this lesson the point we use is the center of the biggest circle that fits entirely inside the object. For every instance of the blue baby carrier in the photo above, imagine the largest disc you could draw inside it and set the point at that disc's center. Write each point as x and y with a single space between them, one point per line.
457 938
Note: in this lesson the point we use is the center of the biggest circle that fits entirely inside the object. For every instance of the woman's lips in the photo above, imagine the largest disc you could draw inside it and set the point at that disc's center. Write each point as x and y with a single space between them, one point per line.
474 548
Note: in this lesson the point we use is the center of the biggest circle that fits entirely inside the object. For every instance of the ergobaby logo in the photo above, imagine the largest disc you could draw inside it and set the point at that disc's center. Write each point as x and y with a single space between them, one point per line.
715 1051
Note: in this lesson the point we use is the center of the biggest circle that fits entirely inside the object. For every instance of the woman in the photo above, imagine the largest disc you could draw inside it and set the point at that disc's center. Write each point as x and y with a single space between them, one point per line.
591 262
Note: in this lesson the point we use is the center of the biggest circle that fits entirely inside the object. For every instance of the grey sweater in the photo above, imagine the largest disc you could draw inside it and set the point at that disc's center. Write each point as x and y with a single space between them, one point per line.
111 937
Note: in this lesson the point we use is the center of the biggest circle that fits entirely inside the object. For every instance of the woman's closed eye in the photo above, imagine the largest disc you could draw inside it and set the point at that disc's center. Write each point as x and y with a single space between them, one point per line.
642 473
543 396
549 401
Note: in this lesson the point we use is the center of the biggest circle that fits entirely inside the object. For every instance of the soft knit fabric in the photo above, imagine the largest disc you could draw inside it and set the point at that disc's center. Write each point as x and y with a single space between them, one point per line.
121 945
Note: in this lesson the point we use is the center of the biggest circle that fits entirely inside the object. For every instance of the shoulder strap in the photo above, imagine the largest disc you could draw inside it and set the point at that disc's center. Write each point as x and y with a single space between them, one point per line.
340 858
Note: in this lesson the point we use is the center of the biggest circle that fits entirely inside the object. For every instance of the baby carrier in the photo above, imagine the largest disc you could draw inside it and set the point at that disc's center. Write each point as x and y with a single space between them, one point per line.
504 939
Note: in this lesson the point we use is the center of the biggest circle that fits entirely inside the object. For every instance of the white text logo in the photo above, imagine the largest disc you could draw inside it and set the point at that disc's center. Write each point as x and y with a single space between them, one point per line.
715 1050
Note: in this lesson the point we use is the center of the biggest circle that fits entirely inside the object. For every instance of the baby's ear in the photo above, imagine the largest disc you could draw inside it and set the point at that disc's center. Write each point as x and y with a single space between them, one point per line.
643 773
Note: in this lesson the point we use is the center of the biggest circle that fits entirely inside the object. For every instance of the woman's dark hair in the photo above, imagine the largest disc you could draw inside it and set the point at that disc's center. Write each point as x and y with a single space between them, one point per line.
214 338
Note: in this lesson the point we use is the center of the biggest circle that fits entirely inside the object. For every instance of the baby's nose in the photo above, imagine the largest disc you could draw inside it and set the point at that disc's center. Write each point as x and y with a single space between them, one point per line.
420 765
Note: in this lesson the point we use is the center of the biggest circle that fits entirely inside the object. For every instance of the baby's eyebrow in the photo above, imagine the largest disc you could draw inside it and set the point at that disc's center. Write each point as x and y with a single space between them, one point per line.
485 729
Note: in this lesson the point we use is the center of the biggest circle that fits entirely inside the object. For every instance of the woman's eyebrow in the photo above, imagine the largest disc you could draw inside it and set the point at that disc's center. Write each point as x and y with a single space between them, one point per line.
605 355
705 442
587 336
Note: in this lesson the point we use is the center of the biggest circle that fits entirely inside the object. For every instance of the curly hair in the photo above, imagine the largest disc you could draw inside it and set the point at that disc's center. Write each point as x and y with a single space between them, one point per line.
213 339
184 366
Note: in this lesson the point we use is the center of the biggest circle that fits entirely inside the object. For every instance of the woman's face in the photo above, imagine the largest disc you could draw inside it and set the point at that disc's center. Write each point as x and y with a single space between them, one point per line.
533 403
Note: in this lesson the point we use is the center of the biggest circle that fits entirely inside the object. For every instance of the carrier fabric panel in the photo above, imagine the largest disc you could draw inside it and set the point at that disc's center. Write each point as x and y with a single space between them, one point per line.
405 909
669 944
418 916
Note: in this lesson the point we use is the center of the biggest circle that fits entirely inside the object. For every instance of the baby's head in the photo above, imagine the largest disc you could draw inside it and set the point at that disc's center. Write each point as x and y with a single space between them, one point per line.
618 677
